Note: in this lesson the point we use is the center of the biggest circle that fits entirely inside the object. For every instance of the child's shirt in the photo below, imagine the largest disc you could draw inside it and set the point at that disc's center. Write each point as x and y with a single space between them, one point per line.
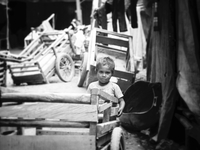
110 88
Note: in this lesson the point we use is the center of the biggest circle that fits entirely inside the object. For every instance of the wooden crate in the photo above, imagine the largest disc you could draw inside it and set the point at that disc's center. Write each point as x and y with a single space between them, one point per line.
61 121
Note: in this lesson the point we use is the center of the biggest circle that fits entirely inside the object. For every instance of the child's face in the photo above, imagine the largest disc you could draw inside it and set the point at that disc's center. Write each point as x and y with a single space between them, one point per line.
104 74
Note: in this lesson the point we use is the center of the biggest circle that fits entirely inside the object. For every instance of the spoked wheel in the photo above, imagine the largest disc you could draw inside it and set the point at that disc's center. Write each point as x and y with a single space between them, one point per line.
83 70
65 67
117 139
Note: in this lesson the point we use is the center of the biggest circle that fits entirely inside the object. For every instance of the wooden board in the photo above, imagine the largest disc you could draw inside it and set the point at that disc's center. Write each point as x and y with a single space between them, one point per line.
67 112
45 142
81 98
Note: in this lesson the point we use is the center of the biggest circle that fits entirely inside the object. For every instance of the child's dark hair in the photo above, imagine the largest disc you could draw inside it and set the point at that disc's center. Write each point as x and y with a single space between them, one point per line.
105 61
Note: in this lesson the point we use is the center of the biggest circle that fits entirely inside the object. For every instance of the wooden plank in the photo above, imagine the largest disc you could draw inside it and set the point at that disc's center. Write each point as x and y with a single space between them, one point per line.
41 123
103 139
113 33
22 65
124 75
111 41
30 47
94 102
62 131
103 128
120 51
106 115
80 98
131 54
105 96
32 78
45 142
67 112
104 106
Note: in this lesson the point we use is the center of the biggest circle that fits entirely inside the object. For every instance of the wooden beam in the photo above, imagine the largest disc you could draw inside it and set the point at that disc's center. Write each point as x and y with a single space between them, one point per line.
46 97
105 96
66 112
102 128
41 123
104 106
111 41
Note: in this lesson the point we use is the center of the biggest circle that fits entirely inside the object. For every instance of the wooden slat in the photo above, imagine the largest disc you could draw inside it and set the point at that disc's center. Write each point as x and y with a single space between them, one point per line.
63 131
113 33
120 51
111 41
41 123
45 142
104 106
67 112
106 115
124 75
105 96
81 98
94 102
103 139
102 128
32 78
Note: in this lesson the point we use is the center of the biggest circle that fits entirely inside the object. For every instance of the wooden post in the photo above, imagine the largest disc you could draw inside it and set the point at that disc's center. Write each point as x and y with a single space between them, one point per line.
79 11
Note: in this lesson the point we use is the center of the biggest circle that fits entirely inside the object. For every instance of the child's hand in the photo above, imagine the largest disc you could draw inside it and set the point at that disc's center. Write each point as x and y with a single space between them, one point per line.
119 111
121 106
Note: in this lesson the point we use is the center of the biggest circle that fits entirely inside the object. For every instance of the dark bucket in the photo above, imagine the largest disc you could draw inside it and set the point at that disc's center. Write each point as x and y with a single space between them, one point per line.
143 101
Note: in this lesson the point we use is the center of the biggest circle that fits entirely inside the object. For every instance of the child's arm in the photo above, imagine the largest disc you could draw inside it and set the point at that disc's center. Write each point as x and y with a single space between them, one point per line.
121 106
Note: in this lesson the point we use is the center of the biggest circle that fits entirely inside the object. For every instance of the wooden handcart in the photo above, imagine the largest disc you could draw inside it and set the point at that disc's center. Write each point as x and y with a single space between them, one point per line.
45 57
117 46
61 121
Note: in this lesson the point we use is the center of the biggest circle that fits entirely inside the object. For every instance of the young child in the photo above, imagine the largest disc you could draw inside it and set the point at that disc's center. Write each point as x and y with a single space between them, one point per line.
105 68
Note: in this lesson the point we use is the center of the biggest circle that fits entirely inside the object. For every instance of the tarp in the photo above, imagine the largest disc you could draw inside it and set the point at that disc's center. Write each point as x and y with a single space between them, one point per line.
188 54
173 57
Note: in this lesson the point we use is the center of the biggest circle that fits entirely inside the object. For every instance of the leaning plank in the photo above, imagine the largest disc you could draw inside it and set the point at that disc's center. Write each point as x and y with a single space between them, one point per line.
45 142
102 128
46 97
67 112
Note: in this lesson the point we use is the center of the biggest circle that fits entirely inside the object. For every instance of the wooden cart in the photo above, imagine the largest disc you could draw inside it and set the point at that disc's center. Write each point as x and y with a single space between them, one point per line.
61 121
117 46
45 57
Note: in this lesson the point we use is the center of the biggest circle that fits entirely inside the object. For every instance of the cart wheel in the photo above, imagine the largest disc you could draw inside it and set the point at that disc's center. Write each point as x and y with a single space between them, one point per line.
117 139
83 70
65 67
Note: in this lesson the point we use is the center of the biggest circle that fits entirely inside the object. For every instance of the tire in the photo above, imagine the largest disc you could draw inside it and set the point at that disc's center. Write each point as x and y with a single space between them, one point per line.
83 70
117 139
65 67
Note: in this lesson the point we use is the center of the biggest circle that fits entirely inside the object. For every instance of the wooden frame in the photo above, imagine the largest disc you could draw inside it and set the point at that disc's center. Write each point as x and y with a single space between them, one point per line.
117 46
61 121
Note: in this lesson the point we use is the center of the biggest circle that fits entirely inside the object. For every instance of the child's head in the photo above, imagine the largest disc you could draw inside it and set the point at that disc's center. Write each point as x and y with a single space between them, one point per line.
105 68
